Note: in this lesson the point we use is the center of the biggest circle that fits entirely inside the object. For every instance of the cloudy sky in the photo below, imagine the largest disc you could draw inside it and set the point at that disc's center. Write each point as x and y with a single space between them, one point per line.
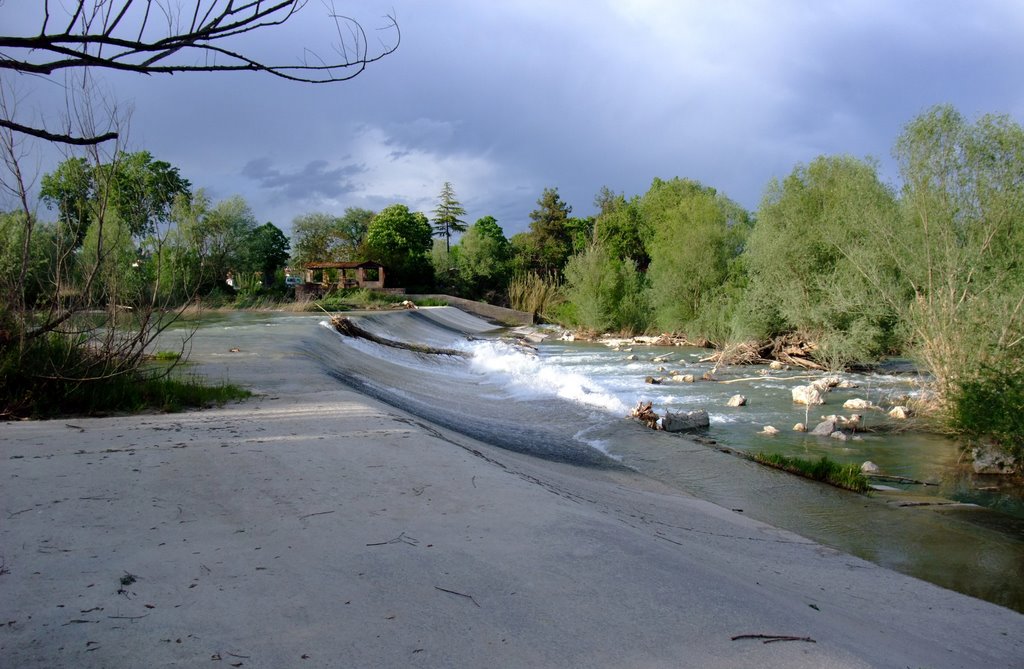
504 99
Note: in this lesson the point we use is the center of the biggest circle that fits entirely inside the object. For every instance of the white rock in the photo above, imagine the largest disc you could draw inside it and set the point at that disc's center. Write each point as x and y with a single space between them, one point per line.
869 468
737 401
853 421
858 403
990 460
808 395
846 384
840 436
769 430
776 365
631 357
799 427
683 378
899 412
826 382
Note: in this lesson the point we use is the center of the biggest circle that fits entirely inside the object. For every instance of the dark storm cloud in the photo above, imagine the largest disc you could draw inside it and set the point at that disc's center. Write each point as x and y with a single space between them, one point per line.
504 99
314 181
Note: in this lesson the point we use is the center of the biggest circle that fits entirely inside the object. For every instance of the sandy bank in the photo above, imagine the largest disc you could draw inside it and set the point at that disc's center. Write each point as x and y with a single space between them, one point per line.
313 527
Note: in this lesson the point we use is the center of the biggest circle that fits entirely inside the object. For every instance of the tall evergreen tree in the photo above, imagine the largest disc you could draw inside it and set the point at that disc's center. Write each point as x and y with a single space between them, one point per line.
446 216
551 230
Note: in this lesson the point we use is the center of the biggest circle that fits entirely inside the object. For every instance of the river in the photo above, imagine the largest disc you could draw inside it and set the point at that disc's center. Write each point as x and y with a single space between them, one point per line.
567 401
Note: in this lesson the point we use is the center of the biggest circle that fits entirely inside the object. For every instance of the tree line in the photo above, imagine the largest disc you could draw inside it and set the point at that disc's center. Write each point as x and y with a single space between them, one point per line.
853 266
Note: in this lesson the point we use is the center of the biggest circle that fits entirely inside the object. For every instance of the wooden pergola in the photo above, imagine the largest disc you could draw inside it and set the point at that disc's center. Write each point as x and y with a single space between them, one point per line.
365 274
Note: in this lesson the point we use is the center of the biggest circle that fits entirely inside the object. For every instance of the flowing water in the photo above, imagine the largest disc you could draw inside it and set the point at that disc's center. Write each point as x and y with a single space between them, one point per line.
567 402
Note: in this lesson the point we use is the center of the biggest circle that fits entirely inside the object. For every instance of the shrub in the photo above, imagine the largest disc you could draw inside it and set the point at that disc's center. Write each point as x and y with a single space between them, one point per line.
60 375
990 406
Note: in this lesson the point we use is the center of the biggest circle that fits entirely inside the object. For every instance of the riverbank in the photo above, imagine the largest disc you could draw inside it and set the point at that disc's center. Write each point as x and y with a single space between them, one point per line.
313 526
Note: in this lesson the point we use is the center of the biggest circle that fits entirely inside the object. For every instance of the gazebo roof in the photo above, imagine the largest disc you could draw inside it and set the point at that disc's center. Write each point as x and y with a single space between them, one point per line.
365 264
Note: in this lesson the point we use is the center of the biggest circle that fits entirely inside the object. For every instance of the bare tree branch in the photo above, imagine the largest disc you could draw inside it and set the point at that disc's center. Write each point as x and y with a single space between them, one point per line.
120 35
53 137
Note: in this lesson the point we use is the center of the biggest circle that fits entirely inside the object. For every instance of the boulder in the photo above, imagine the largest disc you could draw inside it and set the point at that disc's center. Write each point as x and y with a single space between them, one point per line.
799 427
653 379
853 420
869 468
989 459
824 429
630 357
737 401
808 395
846 384
858 403
838 435
683 378
769 430
825 383
899 412
567 336
662 358
776 365
687 420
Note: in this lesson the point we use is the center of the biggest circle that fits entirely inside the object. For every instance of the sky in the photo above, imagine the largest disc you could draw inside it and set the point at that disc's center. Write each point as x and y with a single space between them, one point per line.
504 99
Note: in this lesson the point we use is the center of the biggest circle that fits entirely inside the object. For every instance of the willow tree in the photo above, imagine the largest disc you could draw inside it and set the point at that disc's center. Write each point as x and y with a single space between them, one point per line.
960 242
693 234
814 236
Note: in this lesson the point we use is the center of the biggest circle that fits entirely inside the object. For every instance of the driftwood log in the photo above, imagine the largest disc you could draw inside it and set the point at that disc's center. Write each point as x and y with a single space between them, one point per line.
347 327
645 414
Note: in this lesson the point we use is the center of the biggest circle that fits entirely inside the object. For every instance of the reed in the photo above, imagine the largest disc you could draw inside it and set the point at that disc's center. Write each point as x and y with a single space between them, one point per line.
533 294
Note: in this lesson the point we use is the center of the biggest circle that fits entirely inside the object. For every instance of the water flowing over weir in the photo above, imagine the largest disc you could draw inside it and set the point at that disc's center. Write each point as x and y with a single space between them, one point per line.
505 396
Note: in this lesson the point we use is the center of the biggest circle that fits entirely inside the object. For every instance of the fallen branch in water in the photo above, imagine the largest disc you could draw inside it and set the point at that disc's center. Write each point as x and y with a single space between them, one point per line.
348 327
898 479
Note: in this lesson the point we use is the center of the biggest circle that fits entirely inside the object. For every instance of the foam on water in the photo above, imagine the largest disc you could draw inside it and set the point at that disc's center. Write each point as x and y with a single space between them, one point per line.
527 376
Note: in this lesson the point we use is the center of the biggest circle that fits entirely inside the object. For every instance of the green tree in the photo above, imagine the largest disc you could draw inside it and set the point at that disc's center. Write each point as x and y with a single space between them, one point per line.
484 258
446 215
549 243
139 188
606 293
143 191
401 241
110 259
70 189
959 243
805 255
321 237
265 251
619 227
39 251
695 234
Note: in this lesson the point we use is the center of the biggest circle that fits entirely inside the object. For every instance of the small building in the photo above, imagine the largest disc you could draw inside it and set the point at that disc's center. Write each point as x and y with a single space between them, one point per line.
336 275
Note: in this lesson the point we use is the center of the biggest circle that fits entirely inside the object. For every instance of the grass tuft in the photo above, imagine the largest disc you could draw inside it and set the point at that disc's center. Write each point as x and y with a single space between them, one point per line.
828 471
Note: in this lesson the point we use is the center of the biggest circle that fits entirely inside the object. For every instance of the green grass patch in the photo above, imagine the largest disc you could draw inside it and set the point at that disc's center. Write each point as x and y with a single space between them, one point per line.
363 298
824 470
167 356
430 302
60 375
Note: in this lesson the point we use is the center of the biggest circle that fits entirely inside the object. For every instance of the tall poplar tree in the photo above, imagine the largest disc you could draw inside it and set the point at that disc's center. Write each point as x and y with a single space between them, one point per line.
446 216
